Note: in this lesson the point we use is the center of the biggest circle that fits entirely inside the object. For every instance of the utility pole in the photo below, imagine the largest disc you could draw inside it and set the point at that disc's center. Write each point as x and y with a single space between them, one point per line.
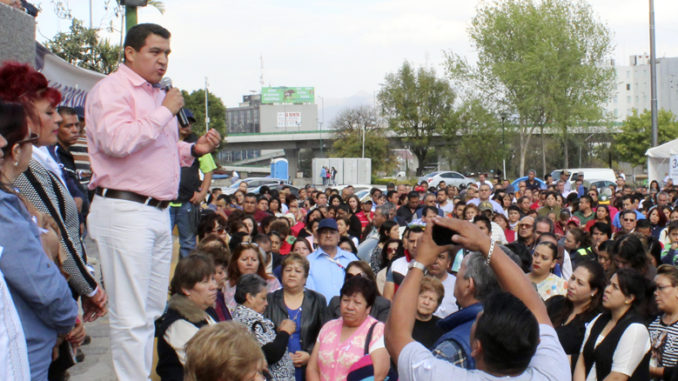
653 78
207 114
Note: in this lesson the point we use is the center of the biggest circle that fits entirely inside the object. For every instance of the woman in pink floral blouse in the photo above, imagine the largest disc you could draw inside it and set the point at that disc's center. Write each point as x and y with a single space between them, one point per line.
341 342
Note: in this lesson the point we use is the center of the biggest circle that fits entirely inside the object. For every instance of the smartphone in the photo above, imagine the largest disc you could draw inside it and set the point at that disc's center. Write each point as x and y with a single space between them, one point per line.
442 236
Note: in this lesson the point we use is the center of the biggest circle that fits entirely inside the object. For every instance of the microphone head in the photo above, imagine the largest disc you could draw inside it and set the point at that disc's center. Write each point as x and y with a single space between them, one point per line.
166 83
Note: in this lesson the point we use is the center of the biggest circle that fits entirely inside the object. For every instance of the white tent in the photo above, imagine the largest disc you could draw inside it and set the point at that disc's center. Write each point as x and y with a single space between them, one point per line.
659 163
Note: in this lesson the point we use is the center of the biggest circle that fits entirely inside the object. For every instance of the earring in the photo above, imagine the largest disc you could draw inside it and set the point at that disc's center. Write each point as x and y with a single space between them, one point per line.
16 163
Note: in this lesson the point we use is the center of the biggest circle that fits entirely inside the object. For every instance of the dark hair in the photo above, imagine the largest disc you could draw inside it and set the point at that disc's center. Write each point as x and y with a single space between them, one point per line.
384 230
21 83
603 228
136 35
384 252
305 242
13 126
630 248
551 246
632 282
248 284
643 223
508 332
364 267
191 270
348 240
360 284
579 236
486 221
413 194
672 226
280 227
427 208
597 281
544 220
206 224
523 253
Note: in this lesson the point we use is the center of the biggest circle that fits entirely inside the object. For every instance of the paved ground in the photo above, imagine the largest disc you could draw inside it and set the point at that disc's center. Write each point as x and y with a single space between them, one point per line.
98 364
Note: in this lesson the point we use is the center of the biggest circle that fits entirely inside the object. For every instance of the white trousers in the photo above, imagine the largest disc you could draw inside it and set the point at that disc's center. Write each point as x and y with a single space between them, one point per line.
135 250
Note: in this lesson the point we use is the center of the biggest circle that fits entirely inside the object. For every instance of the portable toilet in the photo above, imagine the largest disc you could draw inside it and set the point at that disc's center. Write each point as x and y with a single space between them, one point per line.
279 169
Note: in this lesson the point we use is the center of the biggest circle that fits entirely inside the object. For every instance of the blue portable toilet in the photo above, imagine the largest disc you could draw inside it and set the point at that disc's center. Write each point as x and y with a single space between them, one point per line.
279 169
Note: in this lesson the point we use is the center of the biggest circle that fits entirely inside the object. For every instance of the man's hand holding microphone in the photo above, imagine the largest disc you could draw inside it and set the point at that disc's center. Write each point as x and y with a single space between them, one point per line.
174 102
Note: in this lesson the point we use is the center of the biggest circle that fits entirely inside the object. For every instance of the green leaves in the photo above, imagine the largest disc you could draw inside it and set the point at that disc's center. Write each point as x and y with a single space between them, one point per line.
418 106
82 47
635 138
195 102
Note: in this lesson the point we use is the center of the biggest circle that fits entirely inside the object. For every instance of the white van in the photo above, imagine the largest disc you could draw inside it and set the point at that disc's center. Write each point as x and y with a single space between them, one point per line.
590 174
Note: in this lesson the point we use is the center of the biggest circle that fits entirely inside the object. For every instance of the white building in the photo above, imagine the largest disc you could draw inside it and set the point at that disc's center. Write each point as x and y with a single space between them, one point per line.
632 87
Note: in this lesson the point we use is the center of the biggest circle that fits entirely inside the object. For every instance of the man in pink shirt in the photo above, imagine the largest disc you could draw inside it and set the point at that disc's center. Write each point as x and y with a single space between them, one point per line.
136 156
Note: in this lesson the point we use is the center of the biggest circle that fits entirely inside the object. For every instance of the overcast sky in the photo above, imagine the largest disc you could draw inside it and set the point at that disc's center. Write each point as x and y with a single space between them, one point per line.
342 48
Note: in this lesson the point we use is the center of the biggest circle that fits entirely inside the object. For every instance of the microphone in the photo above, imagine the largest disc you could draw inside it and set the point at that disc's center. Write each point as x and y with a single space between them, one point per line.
166 84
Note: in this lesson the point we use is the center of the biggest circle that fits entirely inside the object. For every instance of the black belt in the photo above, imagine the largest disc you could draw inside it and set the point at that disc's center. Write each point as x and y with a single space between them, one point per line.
131 196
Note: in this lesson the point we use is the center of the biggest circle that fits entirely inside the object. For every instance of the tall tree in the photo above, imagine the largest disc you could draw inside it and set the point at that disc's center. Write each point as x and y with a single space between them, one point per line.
419 107
354 124
540 62
634 139
82 47
478 144
195 102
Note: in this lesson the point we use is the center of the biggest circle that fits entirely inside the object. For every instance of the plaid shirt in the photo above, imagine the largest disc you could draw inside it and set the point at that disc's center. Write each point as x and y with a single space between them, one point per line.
451 352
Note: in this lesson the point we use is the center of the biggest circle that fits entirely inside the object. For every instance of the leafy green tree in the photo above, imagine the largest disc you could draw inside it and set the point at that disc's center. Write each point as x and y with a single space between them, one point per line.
478 144
419 107
542 62
195 102
349 126
82 47
634 139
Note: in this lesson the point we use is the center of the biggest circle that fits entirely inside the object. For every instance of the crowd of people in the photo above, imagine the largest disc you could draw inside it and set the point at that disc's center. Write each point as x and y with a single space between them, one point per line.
541 281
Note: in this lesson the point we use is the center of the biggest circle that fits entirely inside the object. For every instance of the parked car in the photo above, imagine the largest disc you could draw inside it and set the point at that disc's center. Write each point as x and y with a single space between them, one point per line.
590 174
253 184
449 177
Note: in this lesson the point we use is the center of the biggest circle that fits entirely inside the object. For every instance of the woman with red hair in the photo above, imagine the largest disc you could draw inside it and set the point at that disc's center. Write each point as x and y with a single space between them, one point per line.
42 184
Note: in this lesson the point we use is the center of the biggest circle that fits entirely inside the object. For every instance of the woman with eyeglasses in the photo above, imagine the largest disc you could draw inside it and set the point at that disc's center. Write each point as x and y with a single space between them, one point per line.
616 345
388 230
42 182
393 249
544 259
306 308
36 304
664 329
247 258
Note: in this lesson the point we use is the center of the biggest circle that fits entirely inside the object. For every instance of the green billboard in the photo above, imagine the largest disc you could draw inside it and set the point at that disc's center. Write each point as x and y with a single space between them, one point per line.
287 95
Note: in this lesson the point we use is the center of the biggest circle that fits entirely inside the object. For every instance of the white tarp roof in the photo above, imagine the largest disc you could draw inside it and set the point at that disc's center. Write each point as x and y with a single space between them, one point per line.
663 151
658 159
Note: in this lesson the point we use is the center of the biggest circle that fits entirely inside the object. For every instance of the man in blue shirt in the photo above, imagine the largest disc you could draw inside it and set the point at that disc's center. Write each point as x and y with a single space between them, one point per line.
630 203
328 263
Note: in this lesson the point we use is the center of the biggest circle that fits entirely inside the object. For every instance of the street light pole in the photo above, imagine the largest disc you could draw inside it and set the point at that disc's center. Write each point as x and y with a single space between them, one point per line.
503 144
653 78
363 128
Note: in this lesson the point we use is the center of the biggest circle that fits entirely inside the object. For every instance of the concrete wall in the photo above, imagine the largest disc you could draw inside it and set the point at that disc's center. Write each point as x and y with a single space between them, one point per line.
305 114
349 170
17 29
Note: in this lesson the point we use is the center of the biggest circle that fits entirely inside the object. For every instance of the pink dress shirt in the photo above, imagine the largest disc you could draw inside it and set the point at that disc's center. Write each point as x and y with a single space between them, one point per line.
133 140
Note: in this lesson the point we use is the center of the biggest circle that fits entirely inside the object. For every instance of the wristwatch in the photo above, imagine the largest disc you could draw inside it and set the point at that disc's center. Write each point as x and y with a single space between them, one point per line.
416 265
